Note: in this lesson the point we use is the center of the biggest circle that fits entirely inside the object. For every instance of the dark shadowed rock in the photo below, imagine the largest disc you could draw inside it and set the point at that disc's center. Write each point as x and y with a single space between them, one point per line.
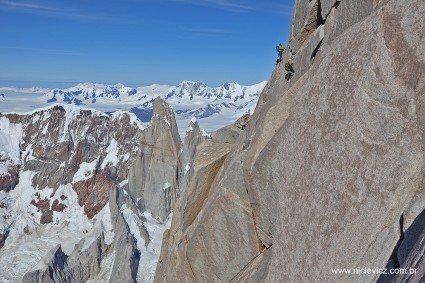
3 238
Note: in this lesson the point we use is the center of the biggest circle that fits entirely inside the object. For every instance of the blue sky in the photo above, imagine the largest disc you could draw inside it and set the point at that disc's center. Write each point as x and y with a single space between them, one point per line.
140 42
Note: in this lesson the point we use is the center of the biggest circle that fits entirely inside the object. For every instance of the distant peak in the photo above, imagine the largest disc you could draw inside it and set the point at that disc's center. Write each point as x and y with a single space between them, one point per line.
231 85
88 85
192 83
119 85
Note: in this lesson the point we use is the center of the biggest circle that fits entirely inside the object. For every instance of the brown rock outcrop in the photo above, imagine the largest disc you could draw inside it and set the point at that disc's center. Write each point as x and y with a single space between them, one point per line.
59 207
9 180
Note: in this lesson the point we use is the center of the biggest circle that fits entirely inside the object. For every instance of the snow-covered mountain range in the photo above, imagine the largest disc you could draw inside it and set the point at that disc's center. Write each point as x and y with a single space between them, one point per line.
213 107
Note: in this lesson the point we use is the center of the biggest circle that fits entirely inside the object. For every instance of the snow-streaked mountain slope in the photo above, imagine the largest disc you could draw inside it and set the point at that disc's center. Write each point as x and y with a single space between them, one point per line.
213 107
59 167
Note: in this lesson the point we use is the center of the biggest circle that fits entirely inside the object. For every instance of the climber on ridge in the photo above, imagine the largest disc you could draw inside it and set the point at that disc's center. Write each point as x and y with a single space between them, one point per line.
289 68
280 49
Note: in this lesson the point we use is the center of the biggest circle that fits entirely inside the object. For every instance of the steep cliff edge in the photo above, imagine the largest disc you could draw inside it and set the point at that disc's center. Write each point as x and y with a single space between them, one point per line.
329 171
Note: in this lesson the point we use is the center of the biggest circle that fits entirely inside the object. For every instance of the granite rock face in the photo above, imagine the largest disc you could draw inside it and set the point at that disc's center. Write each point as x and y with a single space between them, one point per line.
193 137
205 216
152 177
329 171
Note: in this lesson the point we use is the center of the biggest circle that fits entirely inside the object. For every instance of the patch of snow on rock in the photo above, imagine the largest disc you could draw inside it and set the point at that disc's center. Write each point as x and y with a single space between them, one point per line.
150 255
112 154
186 168
102 223
10 139
85 171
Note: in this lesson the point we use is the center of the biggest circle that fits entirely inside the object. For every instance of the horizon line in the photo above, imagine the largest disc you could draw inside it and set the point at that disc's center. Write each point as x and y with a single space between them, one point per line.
126 84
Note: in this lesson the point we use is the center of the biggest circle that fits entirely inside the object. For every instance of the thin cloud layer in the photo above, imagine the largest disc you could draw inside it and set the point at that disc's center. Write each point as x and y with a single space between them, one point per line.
221 4
241 6
52 9
207 31
43 51
31 7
